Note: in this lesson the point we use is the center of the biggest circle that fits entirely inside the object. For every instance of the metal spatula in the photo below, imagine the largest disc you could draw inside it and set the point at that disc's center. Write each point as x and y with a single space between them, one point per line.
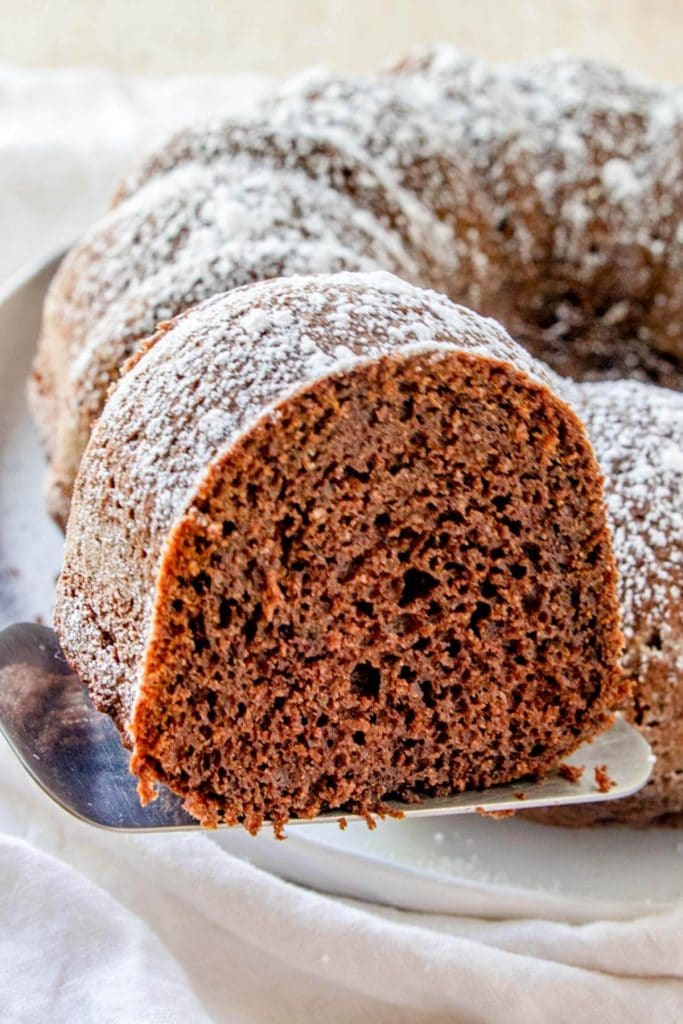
75 755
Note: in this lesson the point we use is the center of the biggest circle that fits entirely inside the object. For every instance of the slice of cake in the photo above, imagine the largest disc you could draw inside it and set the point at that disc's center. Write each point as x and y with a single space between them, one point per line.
335 540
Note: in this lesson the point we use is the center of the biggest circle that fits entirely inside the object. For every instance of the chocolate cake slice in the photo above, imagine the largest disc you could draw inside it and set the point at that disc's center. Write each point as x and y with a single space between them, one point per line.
334 540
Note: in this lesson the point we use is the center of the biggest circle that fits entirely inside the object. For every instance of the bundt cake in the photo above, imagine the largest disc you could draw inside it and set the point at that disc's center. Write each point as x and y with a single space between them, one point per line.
548 195
335 540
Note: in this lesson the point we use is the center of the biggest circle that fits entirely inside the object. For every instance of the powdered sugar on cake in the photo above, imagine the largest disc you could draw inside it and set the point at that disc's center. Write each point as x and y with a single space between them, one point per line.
281 336
548 195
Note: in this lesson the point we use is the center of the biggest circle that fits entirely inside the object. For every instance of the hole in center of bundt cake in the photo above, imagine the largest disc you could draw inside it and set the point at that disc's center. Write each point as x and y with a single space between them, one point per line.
390 587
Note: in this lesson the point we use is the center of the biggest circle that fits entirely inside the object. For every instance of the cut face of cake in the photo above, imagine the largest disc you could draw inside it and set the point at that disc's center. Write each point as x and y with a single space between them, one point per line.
336 540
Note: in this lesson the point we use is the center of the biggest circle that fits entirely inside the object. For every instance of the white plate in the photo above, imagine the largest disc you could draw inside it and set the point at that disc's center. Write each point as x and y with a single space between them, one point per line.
464 865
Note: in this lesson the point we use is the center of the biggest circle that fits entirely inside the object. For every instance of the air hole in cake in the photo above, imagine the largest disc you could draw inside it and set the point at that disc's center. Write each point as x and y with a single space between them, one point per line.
201 582
366 678
407 410
513 525
488 589
416 584
198 631
428 698
355 474
654 641
481 612
251 625
594 554
450 517
351 570
531 603
454 648
404 625
408 674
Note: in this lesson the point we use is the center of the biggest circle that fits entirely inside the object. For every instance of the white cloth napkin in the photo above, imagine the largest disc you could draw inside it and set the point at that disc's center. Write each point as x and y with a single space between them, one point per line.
97 927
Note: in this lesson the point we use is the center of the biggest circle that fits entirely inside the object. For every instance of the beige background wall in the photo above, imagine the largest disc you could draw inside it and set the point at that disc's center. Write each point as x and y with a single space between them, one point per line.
266 35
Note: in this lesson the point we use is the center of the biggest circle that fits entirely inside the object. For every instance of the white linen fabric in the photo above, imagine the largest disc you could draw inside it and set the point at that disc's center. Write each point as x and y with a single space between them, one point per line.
159 929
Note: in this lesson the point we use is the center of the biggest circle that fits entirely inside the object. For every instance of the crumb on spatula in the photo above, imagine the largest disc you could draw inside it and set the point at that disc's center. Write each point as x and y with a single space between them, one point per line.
602 779
571 772
494 814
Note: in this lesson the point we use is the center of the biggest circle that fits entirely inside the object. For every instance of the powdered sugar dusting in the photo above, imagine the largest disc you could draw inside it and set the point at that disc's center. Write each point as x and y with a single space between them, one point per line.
672 458
487 183
620 180
637 432
278 336
220 368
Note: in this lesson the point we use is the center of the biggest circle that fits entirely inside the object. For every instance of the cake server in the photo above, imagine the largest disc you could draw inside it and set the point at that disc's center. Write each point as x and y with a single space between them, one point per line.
74 753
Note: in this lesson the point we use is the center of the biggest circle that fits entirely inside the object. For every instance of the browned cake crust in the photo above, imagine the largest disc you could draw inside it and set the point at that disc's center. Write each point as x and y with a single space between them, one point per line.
337 540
